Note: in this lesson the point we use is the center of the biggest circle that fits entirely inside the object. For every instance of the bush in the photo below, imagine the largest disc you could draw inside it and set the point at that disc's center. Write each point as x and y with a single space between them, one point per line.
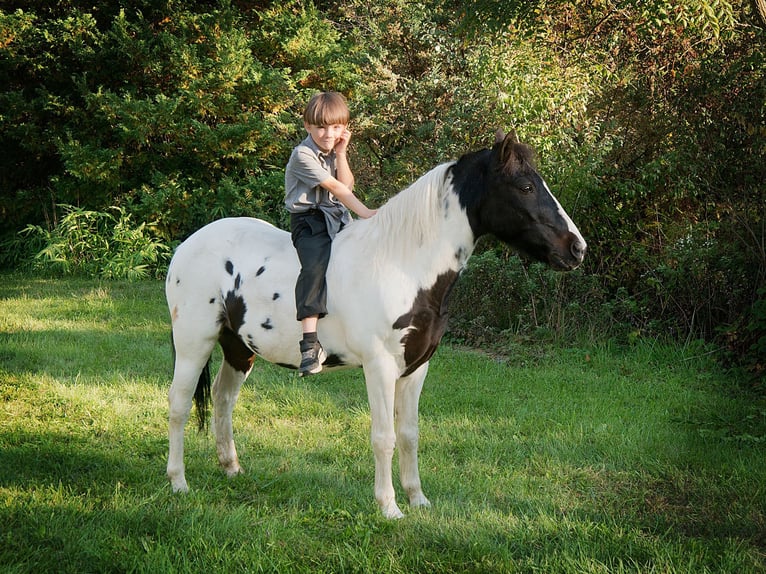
746 343
98 244
502 294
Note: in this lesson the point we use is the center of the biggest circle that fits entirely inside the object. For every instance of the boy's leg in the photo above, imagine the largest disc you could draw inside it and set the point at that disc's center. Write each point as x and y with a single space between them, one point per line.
312 355
309 324
313 246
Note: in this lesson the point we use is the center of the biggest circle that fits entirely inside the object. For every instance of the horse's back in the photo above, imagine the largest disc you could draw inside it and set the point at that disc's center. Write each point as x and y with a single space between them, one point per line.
225 243
226 254
231 235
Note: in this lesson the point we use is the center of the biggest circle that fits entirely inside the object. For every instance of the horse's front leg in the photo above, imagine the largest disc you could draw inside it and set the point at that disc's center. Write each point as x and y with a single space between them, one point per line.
225 393
380 375
407 398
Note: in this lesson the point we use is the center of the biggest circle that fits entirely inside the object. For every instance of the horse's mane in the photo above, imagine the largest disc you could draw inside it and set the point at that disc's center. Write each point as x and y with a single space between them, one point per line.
409 218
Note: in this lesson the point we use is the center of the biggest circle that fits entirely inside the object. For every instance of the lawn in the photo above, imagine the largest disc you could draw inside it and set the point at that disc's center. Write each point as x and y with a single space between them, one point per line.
585 458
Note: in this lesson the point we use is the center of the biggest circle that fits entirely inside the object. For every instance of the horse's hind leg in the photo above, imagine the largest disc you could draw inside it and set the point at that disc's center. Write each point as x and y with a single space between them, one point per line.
407 398
225 392
186 373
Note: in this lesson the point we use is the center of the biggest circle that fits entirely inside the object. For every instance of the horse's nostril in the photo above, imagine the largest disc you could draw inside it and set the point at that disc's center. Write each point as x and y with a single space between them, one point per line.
578 249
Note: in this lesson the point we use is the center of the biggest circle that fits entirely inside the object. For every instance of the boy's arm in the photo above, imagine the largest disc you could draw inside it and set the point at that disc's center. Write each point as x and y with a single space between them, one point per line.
347 197
343 170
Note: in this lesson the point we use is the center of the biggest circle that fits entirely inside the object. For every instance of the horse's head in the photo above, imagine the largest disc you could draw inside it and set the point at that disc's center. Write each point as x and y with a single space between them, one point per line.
517 207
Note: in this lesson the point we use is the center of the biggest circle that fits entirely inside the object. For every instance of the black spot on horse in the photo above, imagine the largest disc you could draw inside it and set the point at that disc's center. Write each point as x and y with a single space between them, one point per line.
178 281
237 281
260 271
267 324
275 297
428 321
233 313
236 353
212 300
229 267
251 343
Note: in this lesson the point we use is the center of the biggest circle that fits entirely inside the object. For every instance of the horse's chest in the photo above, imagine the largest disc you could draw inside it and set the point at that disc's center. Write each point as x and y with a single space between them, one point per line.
425 322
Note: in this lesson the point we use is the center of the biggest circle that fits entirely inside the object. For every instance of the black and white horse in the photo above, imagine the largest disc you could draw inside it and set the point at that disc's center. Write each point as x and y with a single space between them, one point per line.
389 280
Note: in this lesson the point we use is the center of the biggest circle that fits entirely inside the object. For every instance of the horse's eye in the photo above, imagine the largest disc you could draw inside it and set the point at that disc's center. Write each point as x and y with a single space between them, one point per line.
527 188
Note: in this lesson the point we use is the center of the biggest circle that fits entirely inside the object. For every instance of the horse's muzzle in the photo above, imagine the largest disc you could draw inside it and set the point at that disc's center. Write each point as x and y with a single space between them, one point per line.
578 249
569 258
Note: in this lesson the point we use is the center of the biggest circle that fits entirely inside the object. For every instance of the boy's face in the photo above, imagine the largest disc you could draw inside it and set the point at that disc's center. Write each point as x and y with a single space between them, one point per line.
326 137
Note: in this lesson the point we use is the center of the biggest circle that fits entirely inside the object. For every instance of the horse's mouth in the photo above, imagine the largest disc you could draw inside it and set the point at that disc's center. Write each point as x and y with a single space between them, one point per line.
559 263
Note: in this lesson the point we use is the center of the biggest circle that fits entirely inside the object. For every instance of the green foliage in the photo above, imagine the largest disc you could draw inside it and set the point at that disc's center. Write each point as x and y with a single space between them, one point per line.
500 298
756 331
746 344
648 119
99 244
177 99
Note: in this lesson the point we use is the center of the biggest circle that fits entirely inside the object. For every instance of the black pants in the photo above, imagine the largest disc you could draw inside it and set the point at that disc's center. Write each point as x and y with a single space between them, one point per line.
313 244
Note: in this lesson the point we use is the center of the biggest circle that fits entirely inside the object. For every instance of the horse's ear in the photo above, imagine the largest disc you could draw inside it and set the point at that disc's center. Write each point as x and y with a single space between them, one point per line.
511 162
500 136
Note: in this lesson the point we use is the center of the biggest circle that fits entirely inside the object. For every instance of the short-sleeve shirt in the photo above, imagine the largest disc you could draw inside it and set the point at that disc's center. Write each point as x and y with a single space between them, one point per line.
307 168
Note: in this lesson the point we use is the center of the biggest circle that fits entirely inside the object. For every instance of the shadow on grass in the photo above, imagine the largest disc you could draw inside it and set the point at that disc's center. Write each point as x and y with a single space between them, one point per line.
131 352
79 464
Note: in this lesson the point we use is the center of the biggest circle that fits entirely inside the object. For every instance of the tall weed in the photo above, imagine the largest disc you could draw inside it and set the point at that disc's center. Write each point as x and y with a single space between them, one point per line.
98 244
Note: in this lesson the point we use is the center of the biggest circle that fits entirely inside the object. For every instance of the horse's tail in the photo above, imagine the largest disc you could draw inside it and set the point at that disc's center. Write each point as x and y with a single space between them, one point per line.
201 393
202 396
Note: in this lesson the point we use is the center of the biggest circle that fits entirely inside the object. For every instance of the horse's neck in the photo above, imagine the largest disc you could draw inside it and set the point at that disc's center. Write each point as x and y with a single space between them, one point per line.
454 243
429 233
421 232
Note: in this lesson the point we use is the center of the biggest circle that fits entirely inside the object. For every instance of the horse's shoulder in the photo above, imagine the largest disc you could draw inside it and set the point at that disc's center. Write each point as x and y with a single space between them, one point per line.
425 321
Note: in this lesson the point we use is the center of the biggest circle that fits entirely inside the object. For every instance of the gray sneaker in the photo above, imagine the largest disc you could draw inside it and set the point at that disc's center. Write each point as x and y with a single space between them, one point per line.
312 357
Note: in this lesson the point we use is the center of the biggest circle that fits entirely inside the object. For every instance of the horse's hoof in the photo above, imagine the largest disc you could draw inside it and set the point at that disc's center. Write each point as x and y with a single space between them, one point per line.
419 501
392 512
232 472
180 487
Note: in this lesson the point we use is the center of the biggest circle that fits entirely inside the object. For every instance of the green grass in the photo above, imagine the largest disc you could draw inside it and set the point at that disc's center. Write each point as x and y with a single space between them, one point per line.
584 459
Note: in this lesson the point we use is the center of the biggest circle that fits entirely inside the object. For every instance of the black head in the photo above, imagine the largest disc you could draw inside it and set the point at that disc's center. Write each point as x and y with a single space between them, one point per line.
504 195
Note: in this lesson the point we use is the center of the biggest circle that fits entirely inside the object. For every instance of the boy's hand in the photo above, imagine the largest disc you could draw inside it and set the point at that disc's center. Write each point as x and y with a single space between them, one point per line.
342 144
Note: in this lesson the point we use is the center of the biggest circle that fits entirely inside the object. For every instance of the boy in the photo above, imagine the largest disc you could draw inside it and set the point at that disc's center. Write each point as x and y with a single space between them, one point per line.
318 195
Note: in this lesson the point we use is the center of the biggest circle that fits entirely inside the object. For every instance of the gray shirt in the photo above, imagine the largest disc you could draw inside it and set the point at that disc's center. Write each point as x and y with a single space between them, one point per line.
307 168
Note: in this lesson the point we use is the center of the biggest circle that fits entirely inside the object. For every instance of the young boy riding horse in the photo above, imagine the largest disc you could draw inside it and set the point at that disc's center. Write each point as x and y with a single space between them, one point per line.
318 195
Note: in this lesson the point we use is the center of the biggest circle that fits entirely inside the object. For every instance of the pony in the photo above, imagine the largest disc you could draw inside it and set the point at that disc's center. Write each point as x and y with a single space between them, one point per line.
389 281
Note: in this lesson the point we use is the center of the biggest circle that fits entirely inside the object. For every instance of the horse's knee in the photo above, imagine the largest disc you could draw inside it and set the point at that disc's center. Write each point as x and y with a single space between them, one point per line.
177 417
383 444
179 402
407 439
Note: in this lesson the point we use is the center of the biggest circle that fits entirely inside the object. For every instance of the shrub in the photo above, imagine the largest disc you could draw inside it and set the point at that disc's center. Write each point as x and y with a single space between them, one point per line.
746 343
500 293
98 244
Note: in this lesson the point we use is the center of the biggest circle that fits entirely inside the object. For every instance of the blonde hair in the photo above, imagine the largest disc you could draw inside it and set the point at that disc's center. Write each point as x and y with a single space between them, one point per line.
326 109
